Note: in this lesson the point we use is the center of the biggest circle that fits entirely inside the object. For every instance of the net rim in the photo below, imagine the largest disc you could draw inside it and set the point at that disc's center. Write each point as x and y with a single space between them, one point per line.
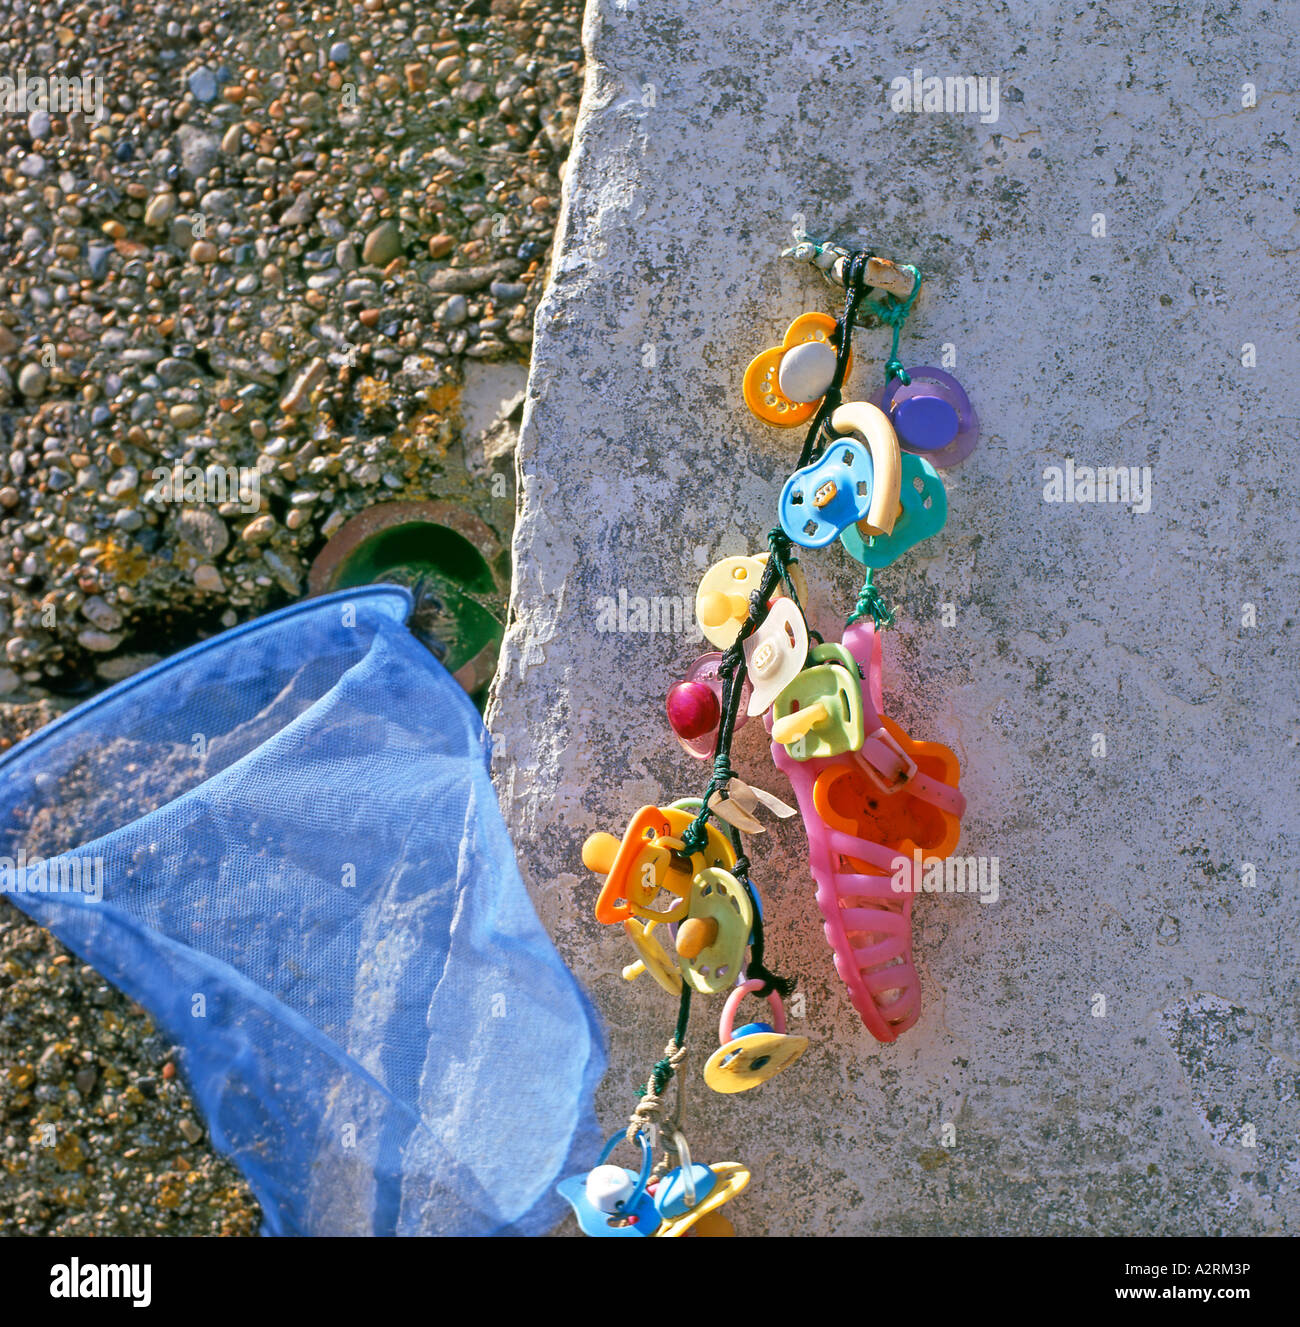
394 597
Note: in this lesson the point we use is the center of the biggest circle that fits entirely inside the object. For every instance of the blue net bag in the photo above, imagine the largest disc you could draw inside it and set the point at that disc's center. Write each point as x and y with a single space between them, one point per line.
284 843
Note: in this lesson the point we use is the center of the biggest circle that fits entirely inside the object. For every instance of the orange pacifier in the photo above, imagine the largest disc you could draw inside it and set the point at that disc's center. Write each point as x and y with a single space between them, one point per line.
878 801
784 385
651 857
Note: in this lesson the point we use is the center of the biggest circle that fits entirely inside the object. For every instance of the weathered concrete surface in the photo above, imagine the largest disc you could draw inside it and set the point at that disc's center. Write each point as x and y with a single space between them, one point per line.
704 129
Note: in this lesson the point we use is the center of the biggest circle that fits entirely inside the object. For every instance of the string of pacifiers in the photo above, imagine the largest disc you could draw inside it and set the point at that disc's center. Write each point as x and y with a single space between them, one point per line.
869 796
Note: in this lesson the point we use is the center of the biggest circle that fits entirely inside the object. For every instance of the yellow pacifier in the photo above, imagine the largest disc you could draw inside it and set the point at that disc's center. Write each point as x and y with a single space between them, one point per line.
755 1052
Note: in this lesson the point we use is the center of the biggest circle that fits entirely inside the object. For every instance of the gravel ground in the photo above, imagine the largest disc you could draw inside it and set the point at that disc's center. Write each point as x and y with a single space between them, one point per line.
267 262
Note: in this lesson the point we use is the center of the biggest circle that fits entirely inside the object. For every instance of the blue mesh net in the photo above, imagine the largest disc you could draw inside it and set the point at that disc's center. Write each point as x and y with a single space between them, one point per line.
306 880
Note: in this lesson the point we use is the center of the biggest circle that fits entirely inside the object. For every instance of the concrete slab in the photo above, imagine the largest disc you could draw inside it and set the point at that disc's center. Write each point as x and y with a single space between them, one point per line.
1113 1046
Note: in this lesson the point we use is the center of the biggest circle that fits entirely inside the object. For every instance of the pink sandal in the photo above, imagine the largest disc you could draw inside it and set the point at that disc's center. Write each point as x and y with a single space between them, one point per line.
899 791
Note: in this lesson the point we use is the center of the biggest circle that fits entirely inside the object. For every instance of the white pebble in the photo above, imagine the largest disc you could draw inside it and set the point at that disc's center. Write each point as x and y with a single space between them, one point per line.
806 371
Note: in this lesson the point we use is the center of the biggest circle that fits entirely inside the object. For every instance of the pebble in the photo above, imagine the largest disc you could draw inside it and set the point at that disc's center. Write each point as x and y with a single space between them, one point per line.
173 371
340 52
202 84
33 380
204 530
185 415
125 481
100 613
298 397
160 210
454 311
259 529
382 245
198 149
98 642
301 211
122 666
806 371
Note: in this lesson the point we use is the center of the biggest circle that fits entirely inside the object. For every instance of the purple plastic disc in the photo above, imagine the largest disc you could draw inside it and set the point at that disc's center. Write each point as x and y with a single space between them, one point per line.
932 415
925 423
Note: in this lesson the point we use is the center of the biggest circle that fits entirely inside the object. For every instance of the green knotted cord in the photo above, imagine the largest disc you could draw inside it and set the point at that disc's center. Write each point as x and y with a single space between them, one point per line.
871 604
895 314
775 573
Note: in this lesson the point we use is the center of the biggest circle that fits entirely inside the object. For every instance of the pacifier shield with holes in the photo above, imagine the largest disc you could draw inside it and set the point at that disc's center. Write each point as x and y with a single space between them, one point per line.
711 942
820 713
722 601
775 654
925 509
729 1179
818 501
695 705
932 414
611 1202
756 1052
782 386
653 957
651 857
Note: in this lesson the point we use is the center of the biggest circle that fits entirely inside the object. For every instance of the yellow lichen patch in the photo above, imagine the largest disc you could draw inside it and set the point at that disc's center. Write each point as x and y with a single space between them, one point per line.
62 553
373 394
445 400
172 1190
125 563
69 1153
431 434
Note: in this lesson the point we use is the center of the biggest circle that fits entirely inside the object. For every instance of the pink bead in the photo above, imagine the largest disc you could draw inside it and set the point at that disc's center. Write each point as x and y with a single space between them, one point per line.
693 709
